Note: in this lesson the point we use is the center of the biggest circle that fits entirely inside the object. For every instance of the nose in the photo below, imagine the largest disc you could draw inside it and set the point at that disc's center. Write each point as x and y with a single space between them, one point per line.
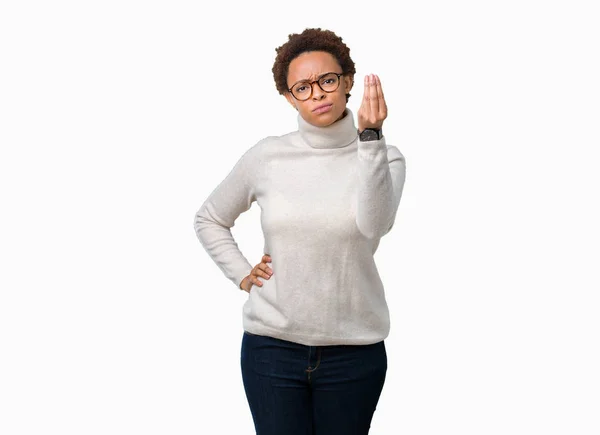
317 92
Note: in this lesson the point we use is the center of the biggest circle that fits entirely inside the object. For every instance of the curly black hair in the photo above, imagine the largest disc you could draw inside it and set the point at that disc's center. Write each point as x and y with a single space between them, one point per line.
311 39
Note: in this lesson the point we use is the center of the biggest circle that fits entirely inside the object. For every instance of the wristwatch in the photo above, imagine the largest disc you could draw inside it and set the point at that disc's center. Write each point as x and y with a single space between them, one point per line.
370 134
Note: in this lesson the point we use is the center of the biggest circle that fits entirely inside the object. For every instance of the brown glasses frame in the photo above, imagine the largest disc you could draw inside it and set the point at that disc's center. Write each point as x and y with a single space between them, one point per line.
339 75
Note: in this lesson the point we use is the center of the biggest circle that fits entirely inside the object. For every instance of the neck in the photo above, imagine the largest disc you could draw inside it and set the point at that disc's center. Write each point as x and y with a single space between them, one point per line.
337 135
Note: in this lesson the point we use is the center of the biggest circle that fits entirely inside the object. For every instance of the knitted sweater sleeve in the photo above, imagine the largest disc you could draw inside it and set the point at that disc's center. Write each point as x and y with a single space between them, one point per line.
217 215
381 175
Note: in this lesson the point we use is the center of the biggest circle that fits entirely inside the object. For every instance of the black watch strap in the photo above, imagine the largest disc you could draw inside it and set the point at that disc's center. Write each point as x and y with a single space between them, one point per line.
369 134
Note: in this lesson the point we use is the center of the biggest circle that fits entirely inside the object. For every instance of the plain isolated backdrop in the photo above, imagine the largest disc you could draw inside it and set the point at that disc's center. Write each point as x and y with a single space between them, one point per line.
119 118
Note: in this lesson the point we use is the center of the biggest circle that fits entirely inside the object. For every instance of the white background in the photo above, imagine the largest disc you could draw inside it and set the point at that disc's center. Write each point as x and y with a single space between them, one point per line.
117 120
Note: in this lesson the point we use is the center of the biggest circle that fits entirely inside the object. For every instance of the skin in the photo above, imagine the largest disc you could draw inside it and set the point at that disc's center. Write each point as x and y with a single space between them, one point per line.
371 114
309 66
373 109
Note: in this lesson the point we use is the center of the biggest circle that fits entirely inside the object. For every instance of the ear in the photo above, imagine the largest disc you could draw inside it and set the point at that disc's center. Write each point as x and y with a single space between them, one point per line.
349 82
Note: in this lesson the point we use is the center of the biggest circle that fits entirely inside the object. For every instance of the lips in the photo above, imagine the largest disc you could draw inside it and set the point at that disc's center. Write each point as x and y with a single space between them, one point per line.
320 107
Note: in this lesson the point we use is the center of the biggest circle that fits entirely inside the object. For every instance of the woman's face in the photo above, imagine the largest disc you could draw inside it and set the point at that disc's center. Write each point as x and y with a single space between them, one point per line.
309 66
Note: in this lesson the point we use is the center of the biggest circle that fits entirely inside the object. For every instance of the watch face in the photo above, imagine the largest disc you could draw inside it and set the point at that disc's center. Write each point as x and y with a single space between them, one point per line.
369 135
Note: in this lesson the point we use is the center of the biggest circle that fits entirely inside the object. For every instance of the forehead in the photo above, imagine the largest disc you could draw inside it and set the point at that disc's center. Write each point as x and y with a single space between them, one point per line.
310 65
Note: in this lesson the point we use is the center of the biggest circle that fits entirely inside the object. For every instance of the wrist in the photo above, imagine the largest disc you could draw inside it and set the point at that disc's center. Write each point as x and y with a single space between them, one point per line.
370 133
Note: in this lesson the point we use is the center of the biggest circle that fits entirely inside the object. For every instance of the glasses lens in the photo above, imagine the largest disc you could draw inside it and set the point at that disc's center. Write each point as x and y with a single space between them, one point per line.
329 83
301 90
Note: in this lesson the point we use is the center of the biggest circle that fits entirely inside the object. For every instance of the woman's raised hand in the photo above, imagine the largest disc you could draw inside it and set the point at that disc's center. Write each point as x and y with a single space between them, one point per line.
261 269
373 110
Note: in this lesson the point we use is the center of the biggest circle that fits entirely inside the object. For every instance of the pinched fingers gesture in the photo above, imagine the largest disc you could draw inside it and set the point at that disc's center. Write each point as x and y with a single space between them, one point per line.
373 110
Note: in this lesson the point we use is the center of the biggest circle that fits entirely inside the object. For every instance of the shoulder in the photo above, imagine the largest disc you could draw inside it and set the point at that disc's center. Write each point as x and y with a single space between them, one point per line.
266 143
269 147
257 151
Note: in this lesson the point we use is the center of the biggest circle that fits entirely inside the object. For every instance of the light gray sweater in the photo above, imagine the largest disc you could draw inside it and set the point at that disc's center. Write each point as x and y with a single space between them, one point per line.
326 199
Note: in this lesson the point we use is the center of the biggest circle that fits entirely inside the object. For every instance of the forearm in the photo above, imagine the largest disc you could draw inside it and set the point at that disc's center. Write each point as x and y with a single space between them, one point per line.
381 174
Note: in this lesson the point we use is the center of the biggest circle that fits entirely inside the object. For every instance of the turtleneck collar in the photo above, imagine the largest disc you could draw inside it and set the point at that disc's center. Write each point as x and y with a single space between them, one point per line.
337 135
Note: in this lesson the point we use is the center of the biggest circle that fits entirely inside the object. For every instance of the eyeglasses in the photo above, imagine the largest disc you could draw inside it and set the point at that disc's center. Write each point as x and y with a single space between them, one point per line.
328 82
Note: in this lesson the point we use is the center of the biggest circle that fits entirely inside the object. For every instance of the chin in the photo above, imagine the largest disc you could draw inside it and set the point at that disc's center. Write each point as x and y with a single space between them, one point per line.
327 118
323 121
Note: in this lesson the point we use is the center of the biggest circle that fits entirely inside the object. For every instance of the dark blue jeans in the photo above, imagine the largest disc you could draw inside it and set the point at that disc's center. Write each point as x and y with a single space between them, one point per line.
293 389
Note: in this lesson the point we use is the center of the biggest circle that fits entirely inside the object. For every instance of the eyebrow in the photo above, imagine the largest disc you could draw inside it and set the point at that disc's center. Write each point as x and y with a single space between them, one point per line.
308 80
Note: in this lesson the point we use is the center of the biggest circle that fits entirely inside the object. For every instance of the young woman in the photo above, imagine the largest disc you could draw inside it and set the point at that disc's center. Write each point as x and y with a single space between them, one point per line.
313 357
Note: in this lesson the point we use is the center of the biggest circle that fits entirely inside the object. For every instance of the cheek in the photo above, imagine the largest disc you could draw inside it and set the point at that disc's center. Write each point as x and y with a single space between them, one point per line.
340 100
